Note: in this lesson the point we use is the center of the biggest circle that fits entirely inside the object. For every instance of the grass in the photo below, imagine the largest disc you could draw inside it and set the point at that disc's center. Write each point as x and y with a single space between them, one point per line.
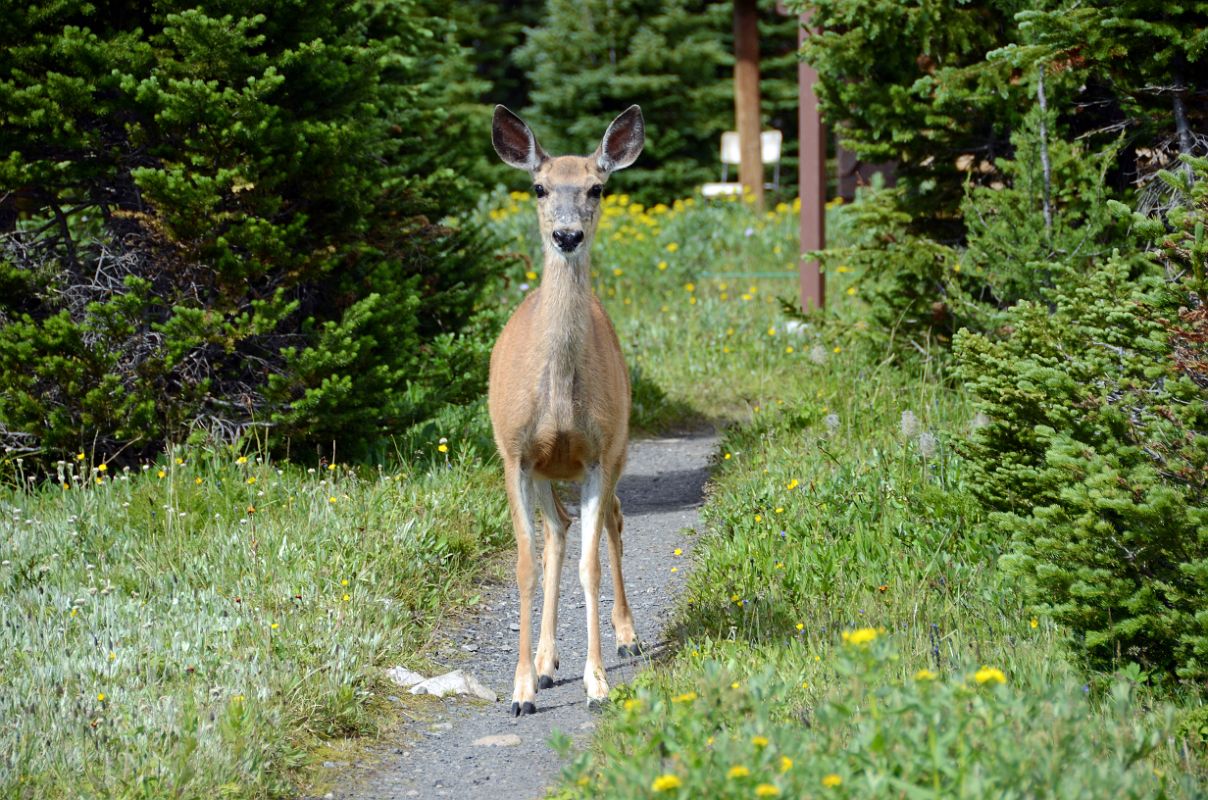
197 627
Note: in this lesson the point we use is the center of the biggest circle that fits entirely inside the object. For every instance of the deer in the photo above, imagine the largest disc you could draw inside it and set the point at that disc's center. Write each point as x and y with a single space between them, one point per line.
559 397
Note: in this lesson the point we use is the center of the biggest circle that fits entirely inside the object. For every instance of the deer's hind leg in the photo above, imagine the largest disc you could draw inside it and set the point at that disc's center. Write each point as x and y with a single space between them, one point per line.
556 523
622 617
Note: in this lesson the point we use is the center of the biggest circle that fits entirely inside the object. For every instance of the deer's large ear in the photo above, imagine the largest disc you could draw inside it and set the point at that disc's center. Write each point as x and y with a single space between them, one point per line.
622 143
514 142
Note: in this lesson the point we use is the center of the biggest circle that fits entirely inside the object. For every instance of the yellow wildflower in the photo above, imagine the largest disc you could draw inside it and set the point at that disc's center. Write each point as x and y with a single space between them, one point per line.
679 551
860 636
738 771
793 484
530 275
989 675
102 468
347 597
671 248
1034 622
161 473
925 675
759 741
851 291
786 763
766 790
727 457
444 448
665 783
79 456
101 697
662 266
831 781
686 697
241 460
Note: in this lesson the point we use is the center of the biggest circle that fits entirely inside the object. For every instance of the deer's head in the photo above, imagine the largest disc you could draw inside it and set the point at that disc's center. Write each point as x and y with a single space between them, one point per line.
568 188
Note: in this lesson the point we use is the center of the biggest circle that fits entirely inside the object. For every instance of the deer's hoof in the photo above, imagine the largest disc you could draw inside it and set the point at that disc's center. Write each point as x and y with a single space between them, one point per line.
520 709
545 682
627 650
596 704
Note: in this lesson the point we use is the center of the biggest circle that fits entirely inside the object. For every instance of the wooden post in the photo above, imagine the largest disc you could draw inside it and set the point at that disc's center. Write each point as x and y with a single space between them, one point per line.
811 187
746 96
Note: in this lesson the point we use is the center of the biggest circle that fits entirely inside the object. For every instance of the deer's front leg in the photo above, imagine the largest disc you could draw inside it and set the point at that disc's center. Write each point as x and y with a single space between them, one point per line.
520 499
556 524
589 576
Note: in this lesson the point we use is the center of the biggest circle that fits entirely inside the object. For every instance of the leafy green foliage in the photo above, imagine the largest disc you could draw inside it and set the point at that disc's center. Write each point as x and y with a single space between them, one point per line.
1093 456
217 221
874 732
909 82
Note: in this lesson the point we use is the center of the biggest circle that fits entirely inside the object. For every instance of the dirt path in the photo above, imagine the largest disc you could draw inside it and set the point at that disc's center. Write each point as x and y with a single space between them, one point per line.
661 493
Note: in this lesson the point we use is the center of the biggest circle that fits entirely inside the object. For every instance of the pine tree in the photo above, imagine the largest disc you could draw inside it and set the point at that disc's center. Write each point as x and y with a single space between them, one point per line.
590 60
217 219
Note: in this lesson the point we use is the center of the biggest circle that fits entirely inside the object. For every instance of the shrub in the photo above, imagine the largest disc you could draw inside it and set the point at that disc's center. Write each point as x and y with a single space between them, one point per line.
1094 460
214 222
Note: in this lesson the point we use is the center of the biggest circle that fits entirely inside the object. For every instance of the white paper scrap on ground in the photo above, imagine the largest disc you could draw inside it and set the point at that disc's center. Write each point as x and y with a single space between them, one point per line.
404 677
455 682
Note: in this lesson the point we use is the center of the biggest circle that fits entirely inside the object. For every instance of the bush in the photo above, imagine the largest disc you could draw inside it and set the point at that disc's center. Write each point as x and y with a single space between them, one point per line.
1094 460
214 223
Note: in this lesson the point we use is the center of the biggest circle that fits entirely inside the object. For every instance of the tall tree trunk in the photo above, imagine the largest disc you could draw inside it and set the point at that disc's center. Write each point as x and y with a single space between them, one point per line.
1044 156
1182 128
746 96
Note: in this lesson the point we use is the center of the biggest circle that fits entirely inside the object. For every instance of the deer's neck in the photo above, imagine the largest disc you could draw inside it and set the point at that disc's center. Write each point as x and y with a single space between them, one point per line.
565 314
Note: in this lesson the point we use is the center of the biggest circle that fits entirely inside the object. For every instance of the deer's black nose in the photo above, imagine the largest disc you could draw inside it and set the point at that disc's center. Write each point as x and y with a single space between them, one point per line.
567 240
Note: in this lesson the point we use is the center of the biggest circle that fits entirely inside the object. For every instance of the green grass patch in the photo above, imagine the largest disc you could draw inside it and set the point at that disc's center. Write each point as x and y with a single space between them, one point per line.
198 626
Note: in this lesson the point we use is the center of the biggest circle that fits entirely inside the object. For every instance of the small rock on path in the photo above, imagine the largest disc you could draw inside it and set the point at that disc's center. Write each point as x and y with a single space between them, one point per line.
486 752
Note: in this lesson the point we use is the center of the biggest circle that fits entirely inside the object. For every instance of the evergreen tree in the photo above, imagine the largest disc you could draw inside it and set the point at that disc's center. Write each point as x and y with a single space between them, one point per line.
590 59
222 216
909 82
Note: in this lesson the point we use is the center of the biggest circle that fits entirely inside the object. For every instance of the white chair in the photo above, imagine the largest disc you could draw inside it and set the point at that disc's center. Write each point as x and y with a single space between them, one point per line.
769 143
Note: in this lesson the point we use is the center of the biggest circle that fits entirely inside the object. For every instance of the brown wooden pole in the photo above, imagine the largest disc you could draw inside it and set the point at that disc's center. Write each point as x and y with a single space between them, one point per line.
811 182
746 96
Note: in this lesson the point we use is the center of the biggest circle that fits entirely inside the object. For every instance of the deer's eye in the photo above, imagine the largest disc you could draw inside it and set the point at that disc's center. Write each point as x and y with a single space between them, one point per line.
539 190
595 191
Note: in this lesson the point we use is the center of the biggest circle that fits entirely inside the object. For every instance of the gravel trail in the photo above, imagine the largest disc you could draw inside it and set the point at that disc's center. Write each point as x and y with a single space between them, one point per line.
661 493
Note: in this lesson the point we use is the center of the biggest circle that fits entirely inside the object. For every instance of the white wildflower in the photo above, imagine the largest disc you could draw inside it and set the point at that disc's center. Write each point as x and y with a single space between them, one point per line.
909 425
817 354
927 444
832 422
